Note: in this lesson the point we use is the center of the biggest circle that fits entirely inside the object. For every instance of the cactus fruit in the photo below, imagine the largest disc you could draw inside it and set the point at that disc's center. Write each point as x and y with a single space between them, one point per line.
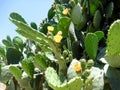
90 63
65 53
86 73
83 64
113 45
72 3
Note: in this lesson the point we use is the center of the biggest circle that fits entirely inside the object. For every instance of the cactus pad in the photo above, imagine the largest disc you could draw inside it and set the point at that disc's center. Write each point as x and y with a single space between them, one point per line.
91 45
55 83
113 45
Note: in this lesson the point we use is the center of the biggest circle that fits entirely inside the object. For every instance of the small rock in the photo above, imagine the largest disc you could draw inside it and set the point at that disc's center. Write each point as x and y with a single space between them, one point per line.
3 86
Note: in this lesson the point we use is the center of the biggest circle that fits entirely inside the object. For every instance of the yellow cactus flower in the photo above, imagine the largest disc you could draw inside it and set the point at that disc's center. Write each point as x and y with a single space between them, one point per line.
77 67
65 11
50 28
58 37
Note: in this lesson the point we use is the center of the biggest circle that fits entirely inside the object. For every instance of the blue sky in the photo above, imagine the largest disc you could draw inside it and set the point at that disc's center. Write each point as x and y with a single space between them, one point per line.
31 10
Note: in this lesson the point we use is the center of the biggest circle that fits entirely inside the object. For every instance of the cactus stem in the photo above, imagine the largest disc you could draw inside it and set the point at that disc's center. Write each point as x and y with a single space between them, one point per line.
62 70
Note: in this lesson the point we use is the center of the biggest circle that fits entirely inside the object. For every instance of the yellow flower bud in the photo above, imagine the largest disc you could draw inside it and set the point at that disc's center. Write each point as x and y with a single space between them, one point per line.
59 33
65 11
50 28
77 67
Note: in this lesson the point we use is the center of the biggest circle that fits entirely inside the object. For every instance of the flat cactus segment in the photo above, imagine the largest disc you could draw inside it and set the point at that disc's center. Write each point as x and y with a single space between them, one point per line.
77 17
113 39
52 78
16 72
13 55
17 17
97 19
74 84
91 45
99 34
5 74
28 67
113 45
2 51
55 83
109 10
76 14
113 61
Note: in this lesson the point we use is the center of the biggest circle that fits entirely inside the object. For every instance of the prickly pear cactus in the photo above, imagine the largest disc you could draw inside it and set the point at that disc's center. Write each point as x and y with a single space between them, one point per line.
91 45
97 19
5 74
109 10
77 17
113 45
55 83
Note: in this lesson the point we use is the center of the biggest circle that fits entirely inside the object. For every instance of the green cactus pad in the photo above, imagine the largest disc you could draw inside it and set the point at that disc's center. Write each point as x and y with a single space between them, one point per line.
52 77
55 83
18 42
2 51
17 17
113 45
33 25
109 10
25 82
94 4
77 17
113 39
28 67
74 84
97 19
99 34
113 61
40 61
76 14
5 74
13 55
91 45
16 72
